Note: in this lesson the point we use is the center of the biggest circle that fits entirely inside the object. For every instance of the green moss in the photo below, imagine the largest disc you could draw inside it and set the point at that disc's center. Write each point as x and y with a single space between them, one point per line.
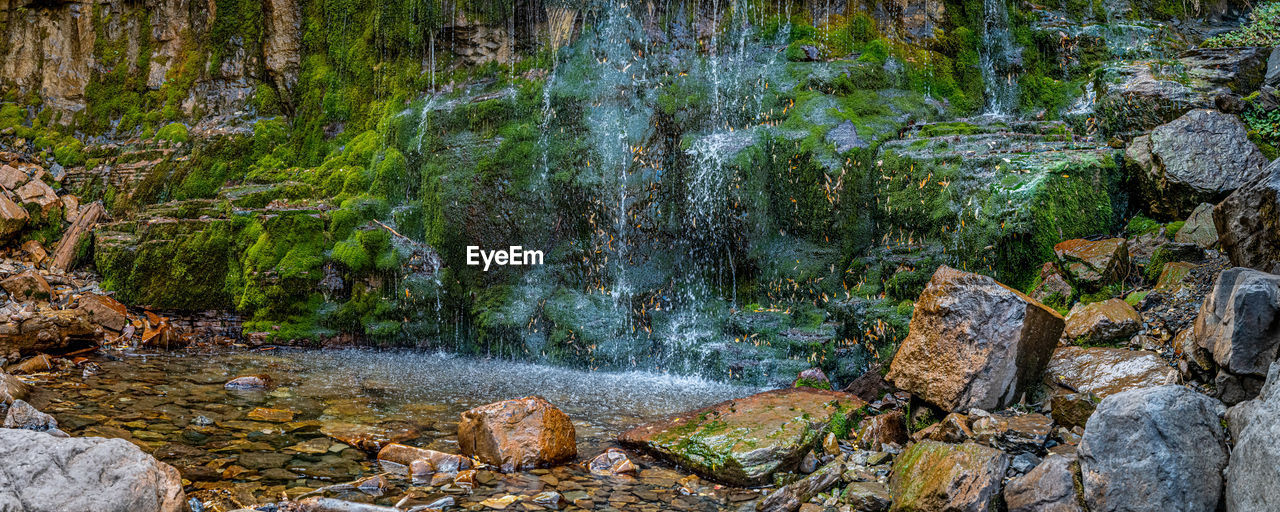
173 132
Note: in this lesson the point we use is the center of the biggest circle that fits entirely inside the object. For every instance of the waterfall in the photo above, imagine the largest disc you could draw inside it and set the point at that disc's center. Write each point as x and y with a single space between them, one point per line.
999 59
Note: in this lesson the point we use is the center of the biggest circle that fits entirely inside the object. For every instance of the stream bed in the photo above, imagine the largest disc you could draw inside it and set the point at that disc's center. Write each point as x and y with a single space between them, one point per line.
246 447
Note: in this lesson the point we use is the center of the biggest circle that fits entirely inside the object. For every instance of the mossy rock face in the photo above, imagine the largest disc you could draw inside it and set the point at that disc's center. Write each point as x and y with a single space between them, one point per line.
940 476
745 441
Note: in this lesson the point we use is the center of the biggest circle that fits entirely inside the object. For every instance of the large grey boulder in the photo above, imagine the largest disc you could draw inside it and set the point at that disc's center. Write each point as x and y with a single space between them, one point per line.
40 472
1254 470
1248 222
1155 449
1239 322
1050 487
1200 157
974 342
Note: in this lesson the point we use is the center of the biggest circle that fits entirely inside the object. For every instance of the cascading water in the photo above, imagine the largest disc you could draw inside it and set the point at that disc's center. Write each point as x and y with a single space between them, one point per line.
999 59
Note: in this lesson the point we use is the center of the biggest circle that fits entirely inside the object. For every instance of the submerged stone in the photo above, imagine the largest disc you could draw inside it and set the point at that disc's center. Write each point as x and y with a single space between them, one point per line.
745 441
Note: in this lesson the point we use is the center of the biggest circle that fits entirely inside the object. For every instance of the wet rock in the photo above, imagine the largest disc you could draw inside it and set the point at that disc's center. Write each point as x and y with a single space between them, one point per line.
1199 157
12 388
370 438
1053 284
1073 409
954 428
22 415
1174 276
745 441
973 342
1106 371
84 473
1156 449
1248 222
1109 321
1239 322
28 286
319 504
788 498
867 497
437 461
1254 466
612 462
249 382
1093 263
550 499
881 430
34 364
1199 228
517 434
48 331
105 311
1013 433
939 476
12 217
1050 487
271 415
812 378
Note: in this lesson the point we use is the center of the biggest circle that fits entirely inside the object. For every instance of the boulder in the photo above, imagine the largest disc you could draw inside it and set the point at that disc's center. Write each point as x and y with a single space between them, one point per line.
47 473
28 286
1093 263
22 415
1239 322
1052 285
1254 468
1199 228
105 311
1050 487
38 194
523 433
1109 321
1248 222
1200 157
954 428
1154 449
788 498
1106 371
880 430
938 476
12 217
745 441
974 342
48 331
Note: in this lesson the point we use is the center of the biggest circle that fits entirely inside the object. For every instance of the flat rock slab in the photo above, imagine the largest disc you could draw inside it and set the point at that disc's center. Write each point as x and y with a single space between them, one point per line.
1111 320
1107 371
746 440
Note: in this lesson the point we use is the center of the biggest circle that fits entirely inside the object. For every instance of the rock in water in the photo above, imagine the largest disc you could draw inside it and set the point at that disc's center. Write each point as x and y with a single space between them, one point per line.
938 476
517 434
249 382
1239 322
1050 487
23 415
1248 222
789 497
1154 449
1093 263
746 440
1109 321
1254 469
1199 157
974 342
47 473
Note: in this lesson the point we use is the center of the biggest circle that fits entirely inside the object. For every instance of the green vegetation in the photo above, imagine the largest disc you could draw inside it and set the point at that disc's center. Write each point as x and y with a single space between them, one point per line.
1263 29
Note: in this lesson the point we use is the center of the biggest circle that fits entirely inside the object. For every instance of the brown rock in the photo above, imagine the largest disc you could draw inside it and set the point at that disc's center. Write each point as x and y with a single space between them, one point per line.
34 251
416 457
28 286
954 428
790 497
70 208
974 342
23 415
11 178
48 331
517 434
1013 433
38 193
867 497
12 388
1052 284
105 311
882 429
1106 371
34 364
12 217
1173 276
260 381
1094 263
612 462
1109 321
370 438
1072 409
271 415
813 378
66 251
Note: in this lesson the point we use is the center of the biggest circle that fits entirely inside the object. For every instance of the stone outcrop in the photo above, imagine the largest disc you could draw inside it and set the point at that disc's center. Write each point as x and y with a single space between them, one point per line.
1050 487
974 342
1254 467
1248 222
939 476
47 331
517 434
1093 263
1109 321
40 472
1199 157
1154 449
746 440
1106 371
